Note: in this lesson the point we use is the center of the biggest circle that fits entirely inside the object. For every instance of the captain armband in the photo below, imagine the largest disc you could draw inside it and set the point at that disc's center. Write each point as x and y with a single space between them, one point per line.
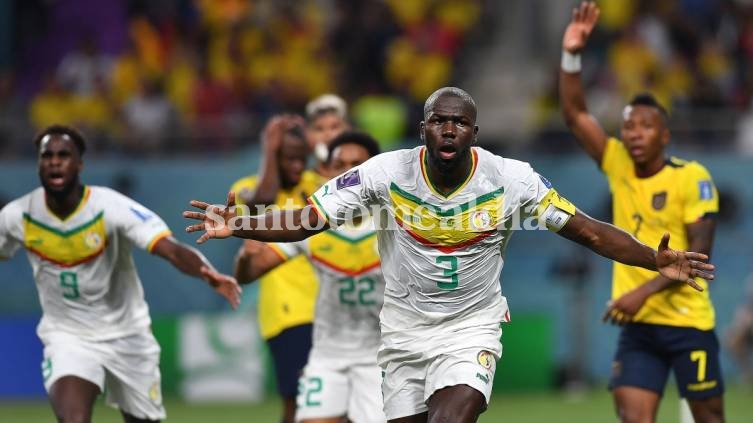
555 210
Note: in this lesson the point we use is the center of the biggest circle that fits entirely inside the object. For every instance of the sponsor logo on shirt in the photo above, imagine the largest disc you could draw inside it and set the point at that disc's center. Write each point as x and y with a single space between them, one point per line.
349 179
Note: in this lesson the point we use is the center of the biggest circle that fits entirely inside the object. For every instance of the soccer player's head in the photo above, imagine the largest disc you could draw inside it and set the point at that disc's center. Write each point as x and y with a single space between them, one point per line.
327 117
60 160
292 156
645 129
350 149
449 127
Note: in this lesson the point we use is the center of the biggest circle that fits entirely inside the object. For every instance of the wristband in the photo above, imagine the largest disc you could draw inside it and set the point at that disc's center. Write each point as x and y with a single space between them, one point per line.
570 62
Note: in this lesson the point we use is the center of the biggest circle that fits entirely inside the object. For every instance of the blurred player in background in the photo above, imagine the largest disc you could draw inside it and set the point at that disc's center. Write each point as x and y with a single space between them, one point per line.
341 378
286 294
327 117
446 211
667 325
95 324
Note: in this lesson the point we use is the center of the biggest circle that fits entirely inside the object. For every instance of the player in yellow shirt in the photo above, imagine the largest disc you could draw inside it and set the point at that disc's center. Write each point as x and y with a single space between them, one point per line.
667 326
286 294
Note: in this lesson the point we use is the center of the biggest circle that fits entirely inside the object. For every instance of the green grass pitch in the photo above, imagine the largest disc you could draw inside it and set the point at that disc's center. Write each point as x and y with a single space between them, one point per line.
593 406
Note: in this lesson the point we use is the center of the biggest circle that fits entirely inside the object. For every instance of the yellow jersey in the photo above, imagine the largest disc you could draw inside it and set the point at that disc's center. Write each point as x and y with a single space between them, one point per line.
679 194
288 293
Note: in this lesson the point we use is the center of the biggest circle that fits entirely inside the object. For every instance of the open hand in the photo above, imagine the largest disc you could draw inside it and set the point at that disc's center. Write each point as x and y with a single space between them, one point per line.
215 220
224 285
682 266
582 24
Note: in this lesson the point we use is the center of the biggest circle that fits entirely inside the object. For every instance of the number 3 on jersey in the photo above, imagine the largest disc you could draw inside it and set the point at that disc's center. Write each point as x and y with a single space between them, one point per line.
450 272
69 283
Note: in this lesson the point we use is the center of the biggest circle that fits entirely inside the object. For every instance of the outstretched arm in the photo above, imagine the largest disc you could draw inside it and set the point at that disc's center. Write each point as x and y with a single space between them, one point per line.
623 309
611 242
584 126
278 226
190 261
254 260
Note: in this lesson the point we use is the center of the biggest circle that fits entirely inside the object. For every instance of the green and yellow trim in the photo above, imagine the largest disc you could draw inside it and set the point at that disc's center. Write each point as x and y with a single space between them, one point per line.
164 234
65 234
476 202
424 164
318 208
81 204
350 272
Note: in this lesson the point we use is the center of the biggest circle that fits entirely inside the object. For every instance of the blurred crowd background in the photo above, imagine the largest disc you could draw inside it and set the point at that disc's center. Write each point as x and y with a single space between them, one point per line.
177 81
150 77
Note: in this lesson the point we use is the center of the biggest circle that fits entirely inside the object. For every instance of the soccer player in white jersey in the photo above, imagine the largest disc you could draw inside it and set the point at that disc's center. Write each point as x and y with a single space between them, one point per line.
455 206
95 324
341 378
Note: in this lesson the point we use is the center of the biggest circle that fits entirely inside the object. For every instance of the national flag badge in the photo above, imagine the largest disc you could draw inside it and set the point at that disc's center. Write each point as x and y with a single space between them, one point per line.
485 359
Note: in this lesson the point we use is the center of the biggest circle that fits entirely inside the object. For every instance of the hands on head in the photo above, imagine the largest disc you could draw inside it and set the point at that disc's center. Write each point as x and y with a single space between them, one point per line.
214 219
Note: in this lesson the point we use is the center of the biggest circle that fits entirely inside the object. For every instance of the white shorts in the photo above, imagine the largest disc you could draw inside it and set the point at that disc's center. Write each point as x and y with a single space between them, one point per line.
337 386
127 369
408 383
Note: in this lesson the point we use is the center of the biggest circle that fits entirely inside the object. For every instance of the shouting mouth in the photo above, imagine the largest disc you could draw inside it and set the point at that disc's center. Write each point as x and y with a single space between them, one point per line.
447 152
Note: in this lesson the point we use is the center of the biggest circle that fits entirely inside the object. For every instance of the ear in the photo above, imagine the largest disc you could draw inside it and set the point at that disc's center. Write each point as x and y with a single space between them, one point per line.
665 136
421 131
475 134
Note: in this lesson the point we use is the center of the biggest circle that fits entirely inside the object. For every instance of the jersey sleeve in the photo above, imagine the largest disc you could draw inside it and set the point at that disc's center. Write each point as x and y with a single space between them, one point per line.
288 250
10 221
137 223
701 197
539 199
350 194
614 157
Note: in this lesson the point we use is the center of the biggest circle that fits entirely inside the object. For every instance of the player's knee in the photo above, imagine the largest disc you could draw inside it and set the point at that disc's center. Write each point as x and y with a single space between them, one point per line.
73 415
709 411
635 415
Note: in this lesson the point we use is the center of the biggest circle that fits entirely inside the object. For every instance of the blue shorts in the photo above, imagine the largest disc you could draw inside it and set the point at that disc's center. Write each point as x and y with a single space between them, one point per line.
646 353
290 352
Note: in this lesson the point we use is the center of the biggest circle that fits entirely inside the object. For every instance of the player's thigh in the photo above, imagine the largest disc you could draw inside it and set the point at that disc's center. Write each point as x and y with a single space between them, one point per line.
73 374
698 372
365 403
72 398
133 377
290 352
458 403
323 391
640 362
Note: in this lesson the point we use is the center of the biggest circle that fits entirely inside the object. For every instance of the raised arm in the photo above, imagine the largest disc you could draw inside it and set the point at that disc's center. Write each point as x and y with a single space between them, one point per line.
191 262
254 260
278 226
611 242
584 126
269 176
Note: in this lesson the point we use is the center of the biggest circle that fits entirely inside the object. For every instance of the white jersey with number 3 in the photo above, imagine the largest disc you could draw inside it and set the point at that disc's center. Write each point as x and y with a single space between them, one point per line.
442 255
85 274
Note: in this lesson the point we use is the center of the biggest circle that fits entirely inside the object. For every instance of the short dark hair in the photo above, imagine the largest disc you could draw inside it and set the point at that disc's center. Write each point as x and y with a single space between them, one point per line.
297 131
354 137
69 131
648 99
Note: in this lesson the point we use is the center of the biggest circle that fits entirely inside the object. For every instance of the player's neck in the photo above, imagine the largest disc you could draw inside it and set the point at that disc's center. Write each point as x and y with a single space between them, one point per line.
649 169
448 180
63 204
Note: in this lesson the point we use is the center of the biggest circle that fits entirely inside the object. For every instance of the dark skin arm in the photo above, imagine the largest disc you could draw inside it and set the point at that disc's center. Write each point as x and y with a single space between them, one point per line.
269 177
613 243
622 310
572 97
191 262
254 260
277 226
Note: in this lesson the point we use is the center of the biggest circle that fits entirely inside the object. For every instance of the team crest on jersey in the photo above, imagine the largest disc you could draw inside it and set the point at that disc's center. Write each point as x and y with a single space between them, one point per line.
485 359
93 240
154 393
706 192
349 179
481 220
659 200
